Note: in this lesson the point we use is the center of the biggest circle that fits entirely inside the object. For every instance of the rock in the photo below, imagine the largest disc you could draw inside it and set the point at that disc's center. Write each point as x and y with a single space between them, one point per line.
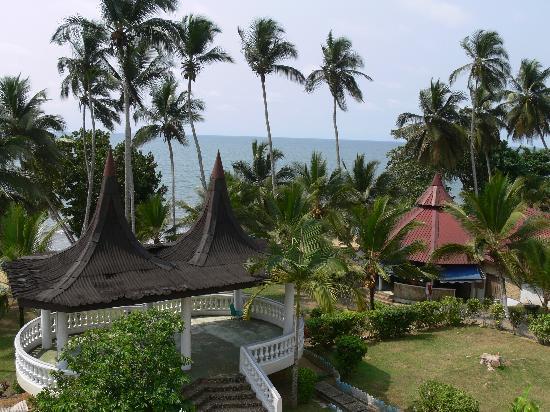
491 361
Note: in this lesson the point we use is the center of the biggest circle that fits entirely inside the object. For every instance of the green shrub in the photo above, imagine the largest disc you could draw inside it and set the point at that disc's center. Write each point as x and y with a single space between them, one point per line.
390 321
350 349
306 385
453 311
517 315
434 396
316 312
323 330
540 326
428 314
524 404
473 307
497 313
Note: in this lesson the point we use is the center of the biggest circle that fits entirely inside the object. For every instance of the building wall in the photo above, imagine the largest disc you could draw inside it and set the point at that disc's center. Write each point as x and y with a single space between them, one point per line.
410 293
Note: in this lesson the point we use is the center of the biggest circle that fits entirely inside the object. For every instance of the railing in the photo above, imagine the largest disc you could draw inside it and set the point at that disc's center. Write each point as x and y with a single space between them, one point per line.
257 360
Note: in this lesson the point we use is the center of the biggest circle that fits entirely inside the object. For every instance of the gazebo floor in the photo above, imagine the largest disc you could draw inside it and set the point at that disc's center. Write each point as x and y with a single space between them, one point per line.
215 343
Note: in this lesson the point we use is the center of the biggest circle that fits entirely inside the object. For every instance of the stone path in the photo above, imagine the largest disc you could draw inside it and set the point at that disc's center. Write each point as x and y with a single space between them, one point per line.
341 399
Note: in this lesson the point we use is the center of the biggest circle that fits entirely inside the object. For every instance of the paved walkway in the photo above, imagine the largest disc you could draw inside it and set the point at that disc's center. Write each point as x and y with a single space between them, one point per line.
215 343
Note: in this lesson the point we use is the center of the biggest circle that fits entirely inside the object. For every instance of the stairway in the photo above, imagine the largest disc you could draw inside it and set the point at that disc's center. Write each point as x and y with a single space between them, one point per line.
384 297
228 393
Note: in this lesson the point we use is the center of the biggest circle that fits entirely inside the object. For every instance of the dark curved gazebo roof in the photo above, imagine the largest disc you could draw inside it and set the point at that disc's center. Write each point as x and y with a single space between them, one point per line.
108 266
216 247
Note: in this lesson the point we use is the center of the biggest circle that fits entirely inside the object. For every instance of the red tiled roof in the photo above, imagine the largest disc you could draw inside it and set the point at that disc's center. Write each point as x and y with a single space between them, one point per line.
438 227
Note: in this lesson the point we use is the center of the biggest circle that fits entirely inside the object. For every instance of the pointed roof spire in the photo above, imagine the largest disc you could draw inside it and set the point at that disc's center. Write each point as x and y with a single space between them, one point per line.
109 170
435 195
217 170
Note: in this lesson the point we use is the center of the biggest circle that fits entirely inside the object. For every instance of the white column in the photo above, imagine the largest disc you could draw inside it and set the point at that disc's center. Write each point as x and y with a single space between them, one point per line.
289 308
62 335
46 329
380 283
186 308
238 299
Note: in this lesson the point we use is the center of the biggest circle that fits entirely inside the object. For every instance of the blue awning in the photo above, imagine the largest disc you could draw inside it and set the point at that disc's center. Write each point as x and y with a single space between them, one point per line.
460 273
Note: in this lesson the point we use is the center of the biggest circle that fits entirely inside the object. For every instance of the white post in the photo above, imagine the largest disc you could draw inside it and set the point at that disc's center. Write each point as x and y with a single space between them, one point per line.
62 335
238 299
46 329
186 308
289 308
380 283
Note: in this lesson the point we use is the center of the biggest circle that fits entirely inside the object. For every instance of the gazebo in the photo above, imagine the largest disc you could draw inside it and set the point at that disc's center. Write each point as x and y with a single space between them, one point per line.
108 272
439 228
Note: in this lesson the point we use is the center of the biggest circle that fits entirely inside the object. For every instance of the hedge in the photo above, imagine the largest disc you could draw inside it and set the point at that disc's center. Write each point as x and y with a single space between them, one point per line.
434 396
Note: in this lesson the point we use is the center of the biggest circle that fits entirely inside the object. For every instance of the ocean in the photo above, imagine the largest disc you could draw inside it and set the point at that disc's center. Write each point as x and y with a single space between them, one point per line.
234 148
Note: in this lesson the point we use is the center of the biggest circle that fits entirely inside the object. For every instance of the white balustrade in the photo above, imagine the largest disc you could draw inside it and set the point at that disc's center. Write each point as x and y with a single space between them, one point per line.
257 360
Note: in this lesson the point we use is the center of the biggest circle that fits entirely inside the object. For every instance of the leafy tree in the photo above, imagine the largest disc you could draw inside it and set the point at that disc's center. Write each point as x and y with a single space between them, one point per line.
379 242
311 264
339 70
434 136
258 171
529 102
488 68
69 183
495 221
533 264
133 30
151 217
132 366
166 118
364 185
193 45
264 48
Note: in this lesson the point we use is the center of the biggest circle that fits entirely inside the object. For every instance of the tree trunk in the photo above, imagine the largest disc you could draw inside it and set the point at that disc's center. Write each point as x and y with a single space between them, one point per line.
504 297
91 169
472 146
269 141
488 162
294 390
128 174
372 290
338 163
197 145
54 215
543 142
172 171
21 317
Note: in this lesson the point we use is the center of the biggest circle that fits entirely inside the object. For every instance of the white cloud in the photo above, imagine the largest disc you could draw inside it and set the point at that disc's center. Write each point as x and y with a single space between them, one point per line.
443 12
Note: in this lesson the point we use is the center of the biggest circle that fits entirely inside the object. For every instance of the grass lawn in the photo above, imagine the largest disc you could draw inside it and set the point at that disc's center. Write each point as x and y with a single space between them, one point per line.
392 370
9 326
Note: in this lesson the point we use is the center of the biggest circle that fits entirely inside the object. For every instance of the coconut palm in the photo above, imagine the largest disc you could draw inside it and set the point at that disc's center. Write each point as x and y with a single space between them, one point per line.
166 118
309 262
89 81
529 102
534 265
340 69
258 171
151 217
380 244
265 48
193 46
488 68
496 223
435 135
363 183
131 28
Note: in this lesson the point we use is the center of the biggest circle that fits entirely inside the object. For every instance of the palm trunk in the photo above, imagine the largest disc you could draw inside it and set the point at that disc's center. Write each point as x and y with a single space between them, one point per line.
21 316
54 215
488 162
294 390
269 141
128 174
504 297
172 171
197 145
472 147
91 168
338 163
372 291
543 142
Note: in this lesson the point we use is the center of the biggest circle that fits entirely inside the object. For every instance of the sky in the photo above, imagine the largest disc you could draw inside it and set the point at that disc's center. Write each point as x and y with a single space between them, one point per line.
404 44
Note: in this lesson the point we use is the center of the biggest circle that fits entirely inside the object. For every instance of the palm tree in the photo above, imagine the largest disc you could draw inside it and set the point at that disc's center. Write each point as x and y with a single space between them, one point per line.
131 27
90 83
309 262
534 265
166 118
151 217
529 102
496 223
193 45
364 185
488 68
259 170
380 245
341 66
326 191
435 136
265 48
